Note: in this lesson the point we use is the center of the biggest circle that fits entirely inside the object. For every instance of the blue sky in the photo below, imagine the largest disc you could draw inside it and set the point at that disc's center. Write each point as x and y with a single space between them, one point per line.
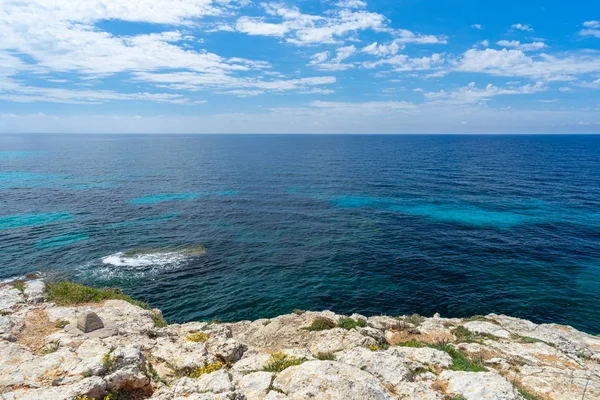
329 66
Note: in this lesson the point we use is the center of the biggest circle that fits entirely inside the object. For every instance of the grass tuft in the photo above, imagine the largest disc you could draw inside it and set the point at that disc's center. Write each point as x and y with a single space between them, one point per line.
460 362
61 324
326 356
298 311
349 323
481 318
20 286
69 293
280 361
321 324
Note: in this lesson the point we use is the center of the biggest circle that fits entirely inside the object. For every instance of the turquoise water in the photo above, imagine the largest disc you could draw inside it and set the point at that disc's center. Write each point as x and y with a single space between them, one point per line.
243 227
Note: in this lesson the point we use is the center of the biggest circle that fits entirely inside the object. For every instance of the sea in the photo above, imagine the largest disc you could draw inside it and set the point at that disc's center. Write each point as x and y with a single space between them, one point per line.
238 227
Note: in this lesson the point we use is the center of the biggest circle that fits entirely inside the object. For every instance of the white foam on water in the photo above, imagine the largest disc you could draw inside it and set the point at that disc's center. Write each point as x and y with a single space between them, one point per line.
145 260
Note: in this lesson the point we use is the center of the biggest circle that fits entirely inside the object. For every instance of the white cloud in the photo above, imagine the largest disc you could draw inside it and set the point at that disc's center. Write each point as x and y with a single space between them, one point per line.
406 36
319 60
515 63
472 94
381 50
590 32
522 27
592 24
351 4
404 63
306 29
485 43
477 26
565 89
256 26
515 44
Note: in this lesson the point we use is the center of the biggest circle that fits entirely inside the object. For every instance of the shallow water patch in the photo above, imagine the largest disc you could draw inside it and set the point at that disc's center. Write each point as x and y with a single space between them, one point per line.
23 220
62 240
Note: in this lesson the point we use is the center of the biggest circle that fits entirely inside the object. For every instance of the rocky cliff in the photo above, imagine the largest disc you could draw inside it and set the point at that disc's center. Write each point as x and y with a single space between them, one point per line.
113 349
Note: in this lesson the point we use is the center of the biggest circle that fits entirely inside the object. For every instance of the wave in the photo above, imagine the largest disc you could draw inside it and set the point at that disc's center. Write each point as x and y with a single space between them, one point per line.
146 261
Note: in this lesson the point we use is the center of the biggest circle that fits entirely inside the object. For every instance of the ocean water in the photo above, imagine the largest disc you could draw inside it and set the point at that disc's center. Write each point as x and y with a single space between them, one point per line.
243 227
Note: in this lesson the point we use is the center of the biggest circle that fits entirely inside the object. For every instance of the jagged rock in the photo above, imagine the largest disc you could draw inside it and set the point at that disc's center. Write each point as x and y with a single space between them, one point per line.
229 350
10 297
129 369
338 339
250 363
388 368
488 328
89 322
416 356
477 385
417 391
329 380
93 387
383 323
34 291
215 383
181 353
255 386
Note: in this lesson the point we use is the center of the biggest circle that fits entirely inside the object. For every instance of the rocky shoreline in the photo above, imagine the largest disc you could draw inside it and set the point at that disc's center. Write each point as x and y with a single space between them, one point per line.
128 352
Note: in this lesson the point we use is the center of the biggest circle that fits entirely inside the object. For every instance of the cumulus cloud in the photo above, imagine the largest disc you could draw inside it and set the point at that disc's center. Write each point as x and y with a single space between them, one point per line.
592 24
477 26
406 36
522 27
515 44
322 61
404 63
515 63
382 50
351 4
472 94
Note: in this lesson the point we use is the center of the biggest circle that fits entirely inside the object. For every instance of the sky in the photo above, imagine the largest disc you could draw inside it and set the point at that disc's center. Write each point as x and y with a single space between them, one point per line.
307 66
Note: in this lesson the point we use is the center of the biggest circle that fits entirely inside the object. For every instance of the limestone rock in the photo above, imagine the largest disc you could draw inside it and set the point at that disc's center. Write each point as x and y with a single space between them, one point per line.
417 356
329 380
477 385
255 386
388 368
89 322
338 339
34 291
484 327
228 350
10 298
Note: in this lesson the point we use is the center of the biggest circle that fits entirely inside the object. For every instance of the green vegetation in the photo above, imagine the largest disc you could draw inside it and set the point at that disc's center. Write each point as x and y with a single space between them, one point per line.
378 347
159 321
151 373
20 285
414 319
69 293
50 349
109 361
526 394
349 323
459 397
481 318
198 337
199 371
298 311
280 361
61 324
321 324
525 339
326 356
466 336
460 362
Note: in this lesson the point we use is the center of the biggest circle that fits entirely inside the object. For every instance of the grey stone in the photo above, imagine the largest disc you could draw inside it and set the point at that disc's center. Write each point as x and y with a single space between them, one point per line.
88 322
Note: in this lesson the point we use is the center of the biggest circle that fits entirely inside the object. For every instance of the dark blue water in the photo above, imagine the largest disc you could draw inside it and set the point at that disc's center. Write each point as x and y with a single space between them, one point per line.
460 225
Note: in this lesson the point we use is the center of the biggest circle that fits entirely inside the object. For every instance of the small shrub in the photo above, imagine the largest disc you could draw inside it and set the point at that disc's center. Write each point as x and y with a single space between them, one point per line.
198 337
50 349
326 356
321 324
460 362
459 397
297 311
413 343
159 321
525 339
415 319
153 375
378 347
349 323
69 293
464 335
280 361
61 324
199 371
109 361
